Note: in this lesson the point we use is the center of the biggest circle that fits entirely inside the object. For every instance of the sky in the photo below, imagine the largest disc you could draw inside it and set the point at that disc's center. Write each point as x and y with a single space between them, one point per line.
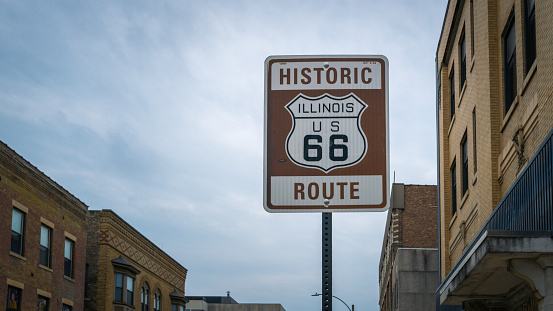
155 110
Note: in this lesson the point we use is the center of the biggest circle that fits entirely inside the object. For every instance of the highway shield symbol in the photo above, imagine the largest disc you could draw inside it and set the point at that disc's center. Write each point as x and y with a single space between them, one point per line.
326 131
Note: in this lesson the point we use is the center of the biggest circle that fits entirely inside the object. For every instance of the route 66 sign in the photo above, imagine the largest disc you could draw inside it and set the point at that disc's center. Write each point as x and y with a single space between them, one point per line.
345 145
326 134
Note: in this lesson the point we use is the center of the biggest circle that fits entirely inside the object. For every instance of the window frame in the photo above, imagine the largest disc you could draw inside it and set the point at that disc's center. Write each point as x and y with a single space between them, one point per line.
453 172
20 235
474 146
47 307
119 289
452 92
509 64
48 248
144 297
130 290
157 300
464 166
462 60
69 263
19 292
530 48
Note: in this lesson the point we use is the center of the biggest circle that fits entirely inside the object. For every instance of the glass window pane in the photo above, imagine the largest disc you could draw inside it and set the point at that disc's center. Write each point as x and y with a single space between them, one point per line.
45 236
130 284
14 298
17 221
119 280
68 249
16 243
44 256
42 303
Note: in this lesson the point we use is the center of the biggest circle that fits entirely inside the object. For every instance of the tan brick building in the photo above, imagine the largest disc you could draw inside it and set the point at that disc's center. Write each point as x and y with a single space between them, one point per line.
43 233
126 271
409 258
495 118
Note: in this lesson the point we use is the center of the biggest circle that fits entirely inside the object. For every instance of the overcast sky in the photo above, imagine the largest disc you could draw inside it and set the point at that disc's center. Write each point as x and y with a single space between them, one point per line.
154 109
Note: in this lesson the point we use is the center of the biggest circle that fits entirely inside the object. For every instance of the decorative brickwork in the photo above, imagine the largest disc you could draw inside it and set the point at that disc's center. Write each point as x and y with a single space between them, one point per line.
111 237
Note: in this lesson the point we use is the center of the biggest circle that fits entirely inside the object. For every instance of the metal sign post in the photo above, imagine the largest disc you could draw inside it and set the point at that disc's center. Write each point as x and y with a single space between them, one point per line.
326 142
327 262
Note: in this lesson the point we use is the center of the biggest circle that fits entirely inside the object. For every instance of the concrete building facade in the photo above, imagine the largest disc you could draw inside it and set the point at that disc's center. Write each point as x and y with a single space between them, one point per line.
126 271
409 259
494 122
42 239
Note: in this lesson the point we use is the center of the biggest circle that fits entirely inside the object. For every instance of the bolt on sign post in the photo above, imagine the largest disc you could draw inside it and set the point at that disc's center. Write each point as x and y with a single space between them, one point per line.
326 134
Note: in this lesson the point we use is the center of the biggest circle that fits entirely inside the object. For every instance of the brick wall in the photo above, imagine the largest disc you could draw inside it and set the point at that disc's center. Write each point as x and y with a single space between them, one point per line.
420 217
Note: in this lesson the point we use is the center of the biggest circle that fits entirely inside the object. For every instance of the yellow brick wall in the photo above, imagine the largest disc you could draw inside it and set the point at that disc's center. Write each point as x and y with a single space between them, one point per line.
111 237
532 114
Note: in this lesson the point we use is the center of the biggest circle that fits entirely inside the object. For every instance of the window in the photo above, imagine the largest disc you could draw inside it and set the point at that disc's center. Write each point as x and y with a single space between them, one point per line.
529 34
43 303
176 307
124 281
130 291
119 287
45 246
509 65
144 295
471 28
465 168
474 139
14 299
453 189
68 260
157 301
18 231
66 307
452 93
463 54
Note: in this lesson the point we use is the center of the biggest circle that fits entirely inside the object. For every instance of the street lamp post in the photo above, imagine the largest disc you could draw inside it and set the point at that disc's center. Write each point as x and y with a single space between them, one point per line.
352 306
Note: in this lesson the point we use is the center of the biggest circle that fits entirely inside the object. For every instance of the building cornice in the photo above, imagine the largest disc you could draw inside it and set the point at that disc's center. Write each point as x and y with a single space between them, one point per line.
138 247
23 173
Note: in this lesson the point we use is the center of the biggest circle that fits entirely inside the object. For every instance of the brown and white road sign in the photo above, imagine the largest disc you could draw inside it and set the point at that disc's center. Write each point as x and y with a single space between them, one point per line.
326 134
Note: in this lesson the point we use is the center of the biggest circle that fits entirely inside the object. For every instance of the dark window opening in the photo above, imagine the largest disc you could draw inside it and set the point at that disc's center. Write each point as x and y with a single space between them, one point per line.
68 260
453 189
509 64
43 303
463 52
452 94
45 246
18 231
14 299
465 169
529 33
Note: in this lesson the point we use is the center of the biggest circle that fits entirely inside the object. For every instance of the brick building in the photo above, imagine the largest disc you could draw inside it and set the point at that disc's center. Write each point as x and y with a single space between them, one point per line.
494 121
227 303
409 259
43 233
126 271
